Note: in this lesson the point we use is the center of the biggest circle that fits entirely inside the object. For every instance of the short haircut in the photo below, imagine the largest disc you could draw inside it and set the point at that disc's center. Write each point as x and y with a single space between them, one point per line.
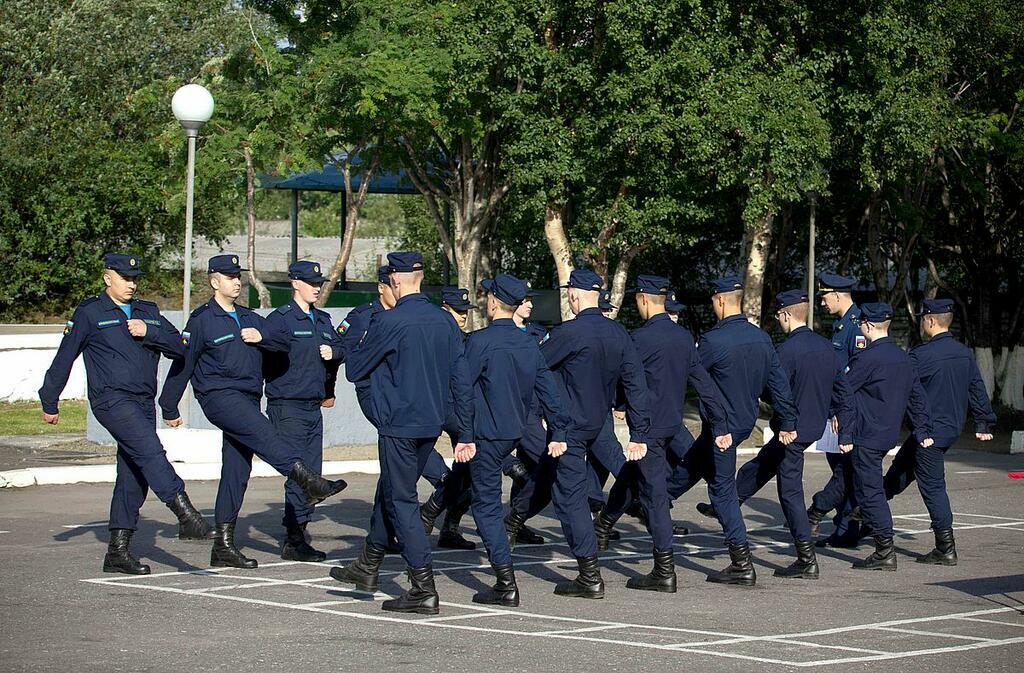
656 299
943 320
505 307
798 311
734 297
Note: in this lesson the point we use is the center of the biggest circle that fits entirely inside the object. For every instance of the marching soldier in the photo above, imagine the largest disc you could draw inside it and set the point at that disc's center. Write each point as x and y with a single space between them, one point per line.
952 383
508 371
742 362
122 339
223 359
295 384
591 356
413 358
670 362
605 456
818 384
884 387
839 493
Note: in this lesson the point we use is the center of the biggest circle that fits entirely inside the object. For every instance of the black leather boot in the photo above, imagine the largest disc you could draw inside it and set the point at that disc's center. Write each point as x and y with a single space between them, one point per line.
944 553
365 572
588 584
514 522
191 524
740 571
315 486
708 510
883 558
450 537
529 536
225 553
815 517
421 598
806 564
661 578
429 511
518 473
297 549
603 530
680 529
504 592
118 558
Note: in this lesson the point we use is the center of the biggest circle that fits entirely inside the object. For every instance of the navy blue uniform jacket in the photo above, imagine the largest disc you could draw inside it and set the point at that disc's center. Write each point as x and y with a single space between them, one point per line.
591 355
216 358
414 360
508 371
300 373
742 361
818 384
885 387
952 381
115 361
670 360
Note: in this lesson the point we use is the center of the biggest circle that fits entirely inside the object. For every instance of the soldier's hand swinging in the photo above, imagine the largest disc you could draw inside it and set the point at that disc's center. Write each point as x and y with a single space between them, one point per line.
137 328
619 415
635 451
328 403
835 425
173 423
787 438
556 449
325 352
723 442
926 443
51 418
984 436
845 448
251 335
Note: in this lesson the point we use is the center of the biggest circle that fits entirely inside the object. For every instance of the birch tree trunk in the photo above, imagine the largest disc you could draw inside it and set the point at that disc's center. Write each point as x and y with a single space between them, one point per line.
250 215
558 244
757 261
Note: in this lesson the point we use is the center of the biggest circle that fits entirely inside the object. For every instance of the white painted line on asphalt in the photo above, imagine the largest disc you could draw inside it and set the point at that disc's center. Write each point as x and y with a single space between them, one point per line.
325 603
989 621
103 524
586 629
933 634
792 641
912 653
449 618
972 472
895 622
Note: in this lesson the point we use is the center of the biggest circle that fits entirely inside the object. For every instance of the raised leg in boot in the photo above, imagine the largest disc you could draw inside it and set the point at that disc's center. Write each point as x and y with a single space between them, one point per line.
191 524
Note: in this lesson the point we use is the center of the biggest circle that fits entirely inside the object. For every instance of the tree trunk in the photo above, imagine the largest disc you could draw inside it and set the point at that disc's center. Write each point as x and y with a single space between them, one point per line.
561 253
618 284
353 204
757 260
250 214
987 366
1011 392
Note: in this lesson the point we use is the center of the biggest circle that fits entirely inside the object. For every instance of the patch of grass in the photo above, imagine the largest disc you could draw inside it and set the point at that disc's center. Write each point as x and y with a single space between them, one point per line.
26 418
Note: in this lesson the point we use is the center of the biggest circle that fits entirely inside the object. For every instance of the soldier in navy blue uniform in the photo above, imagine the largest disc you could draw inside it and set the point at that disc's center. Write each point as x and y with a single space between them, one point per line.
673 307
816 378
839 494
590 356
295 384
223 359
523 467
742 362
414 359
122 339
451 495
884 387
952 383
670 363
605 455
508 371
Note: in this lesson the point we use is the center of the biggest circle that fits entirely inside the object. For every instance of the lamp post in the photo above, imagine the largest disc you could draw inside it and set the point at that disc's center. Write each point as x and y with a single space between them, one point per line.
192 106
812 197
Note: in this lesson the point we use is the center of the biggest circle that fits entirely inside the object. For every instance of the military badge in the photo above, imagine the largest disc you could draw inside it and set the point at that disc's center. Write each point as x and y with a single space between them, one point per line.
185 336
67 327
343 327
860 341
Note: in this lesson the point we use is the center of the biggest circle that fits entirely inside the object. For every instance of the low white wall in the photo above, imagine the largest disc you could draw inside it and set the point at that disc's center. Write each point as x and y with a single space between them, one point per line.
24 359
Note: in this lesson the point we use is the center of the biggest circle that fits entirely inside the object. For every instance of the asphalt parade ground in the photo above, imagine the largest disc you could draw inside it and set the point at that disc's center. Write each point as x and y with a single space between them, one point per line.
60 612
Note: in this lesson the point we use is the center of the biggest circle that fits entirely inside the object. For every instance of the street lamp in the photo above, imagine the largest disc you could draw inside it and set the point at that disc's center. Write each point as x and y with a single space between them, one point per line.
192 105
812 197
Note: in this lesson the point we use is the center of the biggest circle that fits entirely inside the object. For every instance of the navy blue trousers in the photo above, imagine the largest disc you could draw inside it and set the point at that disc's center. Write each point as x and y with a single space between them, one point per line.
485 470
718 468
396 505
839 494
247 432
646 479
530 449
928 468
563 481
786 465
870 489
604 457
301 423
141 461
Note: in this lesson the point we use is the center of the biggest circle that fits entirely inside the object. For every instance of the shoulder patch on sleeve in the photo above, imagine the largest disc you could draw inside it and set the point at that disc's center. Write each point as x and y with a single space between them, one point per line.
860 341
68 327
343 327
185 338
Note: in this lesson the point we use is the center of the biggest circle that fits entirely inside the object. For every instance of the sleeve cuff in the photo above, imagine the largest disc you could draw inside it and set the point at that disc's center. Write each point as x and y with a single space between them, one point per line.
169 415
50 408
558 435
719 430
638 437
982 428
787 426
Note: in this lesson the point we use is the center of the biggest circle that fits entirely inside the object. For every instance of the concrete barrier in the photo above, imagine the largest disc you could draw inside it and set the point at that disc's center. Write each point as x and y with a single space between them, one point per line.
24 359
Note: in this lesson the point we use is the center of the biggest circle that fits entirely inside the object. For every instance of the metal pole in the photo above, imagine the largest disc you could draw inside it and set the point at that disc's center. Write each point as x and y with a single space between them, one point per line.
343 279
186 290
446 263
295 225
811 234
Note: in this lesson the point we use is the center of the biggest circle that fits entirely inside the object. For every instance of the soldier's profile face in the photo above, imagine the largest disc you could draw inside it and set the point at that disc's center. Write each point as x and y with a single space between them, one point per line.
228 285
120 288
525 309
307 291
386 295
